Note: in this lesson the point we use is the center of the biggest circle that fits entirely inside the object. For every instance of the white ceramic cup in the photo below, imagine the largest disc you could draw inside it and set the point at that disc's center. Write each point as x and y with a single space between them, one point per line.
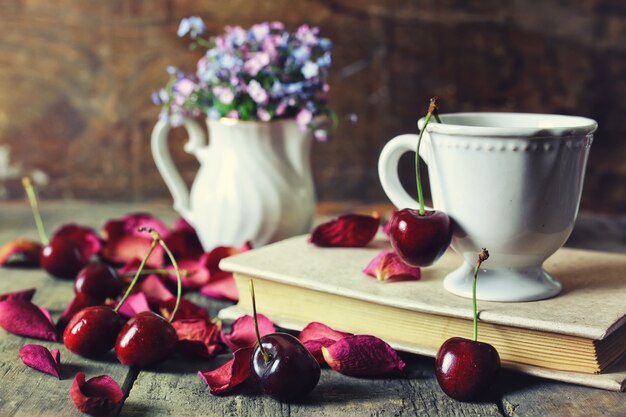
511 183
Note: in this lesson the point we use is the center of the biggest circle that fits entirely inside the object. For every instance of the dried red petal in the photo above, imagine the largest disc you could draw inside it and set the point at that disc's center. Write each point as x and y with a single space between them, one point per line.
134 304
182 224
85 239
130 224
317 335
155 290
186 309
350 230
388 266
126 249
198 337
21 294
98 396
195 277
24 318
221 285
80 301
20 253
363 355
231 374
242 333
184 244
212 259
40 358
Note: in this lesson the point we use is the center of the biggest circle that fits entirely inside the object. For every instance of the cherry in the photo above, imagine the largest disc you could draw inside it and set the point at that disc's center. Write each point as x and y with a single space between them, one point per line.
466 368
282 366
420 237
62 258
99 281
92 331
145 340
148 338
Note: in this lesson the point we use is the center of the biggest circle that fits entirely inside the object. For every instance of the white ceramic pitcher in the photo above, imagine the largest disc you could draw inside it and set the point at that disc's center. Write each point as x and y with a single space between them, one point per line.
254 183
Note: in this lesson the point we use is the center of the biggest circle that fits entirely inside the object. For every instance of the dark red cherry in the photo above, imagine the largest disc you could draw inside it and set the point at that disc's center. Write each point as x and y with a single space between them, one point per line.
145 340
465 368
99 281
420 239
92 331
62 258
290 373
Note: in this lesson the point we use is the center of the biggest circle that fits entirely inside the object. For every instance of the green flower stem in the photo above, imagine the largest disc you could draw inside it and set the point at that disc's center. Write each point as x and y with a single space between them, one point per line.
179 285
266 356
482 256
34 204
432 107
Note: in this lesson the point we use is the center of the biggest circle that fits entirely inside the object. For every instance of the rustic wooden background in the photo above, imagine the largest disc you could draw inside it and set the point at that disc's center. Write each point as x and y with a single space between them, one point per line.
76 78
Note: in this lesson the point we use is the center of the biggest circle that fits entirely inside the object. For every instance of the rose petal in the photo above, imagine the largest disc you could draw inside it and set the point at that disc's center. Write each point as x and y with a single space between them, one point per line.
21 294
97 396
230 374
40 358
198 337
127 248
196 275
212 259
182 224
317 335
184 244
388 266
387 228
245 247
363 355
84 238
350 230
315 347
80 301
186 309
155 290
20 253
134 304
24 318
221 285
242 333
130 224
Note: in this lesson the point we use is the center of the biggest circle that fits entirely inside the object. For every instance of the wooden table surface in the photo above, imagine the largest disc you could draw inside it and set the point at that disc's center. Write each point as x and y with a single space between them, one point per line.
174 389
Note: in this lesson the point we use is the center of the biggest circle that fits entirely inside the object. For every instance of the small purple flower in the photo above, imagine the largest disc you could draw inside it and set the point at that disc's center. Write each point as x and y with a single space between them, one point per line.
224 94
256 63
257 92
193 25
321 135
263 114
303 118
233 114
260 31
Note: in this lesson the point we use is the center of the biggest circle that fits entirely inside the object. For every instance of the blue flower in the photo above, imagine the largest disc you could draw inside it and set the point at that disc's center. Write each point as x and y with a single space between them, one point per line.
193 25
310 70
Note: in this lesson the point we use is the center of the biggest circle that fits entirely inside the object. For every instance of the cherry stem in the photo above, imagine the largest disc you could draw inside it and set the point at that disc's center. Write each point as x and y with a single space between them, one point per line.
179 284
137 274
266 356
482 256
183 272
34 205
432 108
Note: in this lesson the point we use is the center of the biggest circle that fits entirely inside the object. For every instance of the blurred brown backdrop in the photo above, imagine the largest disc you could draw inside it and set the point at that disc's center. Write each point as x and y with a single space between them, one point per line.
76 78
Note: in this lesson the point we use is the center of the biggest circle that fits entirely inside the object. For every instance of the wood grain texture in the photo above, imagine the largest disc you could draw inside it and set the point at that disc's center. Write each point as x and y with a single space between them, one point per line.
79 75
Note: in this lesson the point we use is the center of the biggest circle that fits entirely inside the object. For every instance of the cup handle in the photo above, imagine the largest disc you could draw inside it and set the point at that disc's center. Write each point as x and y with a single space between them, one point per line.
388 168
165 165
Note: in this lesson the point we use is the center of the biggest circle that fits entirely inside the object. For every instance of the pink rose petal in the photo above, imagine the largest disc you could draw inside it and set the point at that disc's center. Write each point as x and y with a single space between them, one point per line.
20 253
186 310
184 225
242 333
229 375
212 259
198 337
127 248
195 277
24 318
363 355
80 301
388 266
130 224
40 358
350 230
134 304
221 285
98 396
184 244
317 335
21 294
155 290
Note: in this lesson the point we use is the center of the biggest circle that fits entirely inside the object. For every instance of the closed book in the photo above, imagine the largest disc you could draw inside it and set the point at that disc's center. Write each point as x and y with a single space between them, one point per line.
578 336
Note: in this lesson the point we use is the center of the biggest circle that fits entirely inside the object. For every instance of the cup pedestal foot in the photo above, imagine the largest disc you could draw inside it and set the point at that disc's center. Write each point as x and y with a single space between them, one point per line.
505 285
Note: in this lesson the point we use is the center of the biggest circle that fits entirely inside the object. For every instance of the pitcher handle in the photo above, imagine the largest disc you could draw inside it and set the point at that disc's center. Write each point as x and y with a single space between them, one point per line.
388 168
165 165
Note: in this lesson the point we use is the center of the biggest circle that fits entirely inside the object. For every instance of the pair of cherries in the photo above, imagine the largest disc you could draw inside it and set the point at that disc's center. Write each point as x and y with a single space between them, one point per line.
143 341
464 368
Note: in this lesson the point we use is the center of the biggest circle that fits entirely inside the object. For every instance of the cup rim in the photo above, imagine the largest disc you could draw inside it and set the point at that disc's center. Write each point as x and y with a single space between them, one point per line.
537 125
